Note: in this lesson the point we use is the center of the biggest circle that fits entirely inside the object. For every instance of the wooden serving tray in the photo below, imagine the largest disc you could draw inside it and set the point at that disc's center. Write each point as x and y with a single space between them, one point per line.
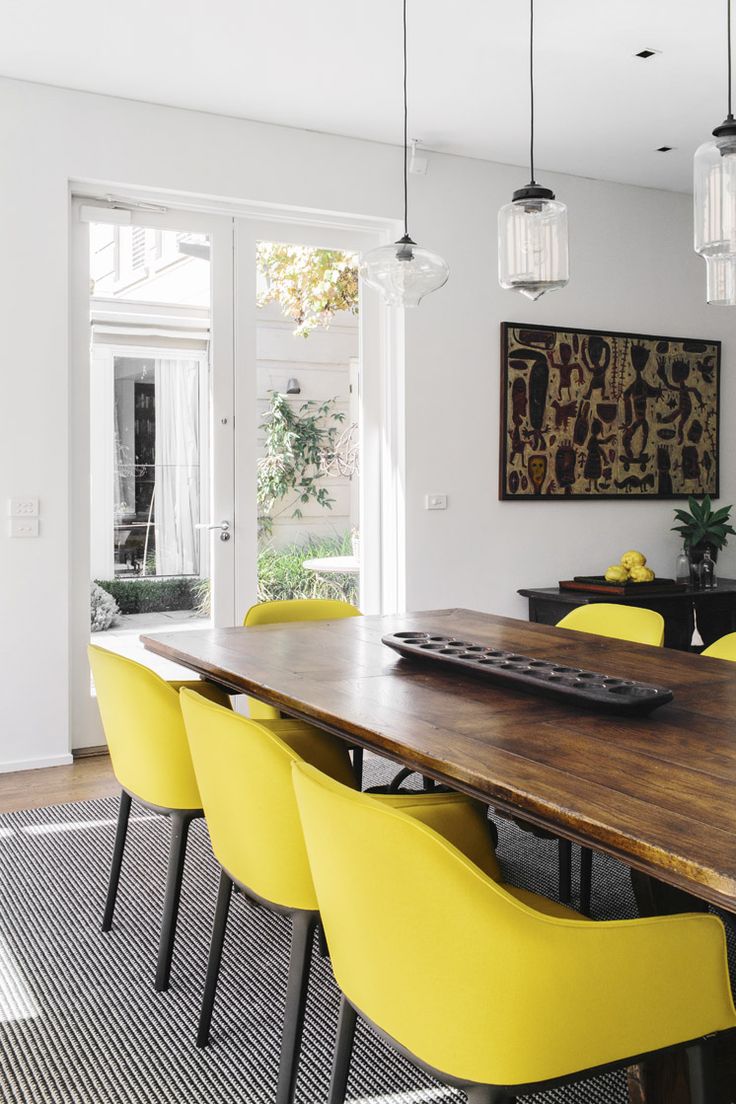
539 676
598 584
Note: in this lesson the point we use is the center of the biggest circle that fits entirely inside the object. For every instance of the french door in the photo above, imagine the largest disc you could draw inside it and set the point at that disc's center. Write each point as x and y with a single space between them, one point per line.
175 364
340 366
154 431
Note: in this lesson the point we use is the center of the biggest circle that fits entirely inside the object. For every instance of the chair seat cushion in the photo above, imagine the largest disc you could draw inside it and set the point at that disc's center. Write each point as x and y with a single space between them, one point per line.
323 750
461 820
544 904
210 690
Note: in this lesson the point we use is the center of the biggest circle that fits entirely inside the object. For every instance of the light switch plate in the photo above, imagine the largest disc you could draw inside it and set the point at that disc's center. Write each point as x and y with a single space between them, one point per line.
23 507
435 502
24 527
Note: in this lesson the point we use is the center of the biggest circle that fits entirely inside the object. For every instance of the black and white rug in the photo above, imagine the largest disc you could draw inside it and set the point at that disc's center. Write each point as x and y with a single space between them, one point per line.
80 1022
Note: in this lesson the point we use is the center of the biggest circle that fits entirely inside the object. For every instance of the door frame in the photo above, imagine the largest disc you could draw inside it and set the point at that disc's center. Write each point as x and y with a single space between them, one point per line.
382 353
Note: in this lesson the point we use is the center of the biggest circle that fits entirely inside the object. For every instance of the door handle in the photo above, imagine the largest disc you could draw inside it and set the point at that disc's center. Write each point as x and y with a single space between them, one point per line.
223 526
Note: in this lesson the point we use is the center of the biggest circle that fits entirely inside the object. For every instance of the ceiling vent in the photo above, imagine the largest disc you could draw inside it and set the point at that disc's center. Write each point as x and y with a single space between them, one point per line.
664 149
646 54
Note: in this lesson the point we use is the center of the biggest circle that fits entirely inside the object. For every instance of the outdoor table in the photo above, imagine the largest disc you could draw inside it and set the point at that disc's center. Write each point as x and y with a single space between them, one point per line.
339 565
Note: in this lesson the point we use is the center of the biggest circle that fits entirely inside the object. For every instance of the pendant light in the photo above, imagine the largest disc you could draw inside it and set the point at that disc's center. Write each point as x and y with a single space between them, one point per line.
532 229
714 195
404 272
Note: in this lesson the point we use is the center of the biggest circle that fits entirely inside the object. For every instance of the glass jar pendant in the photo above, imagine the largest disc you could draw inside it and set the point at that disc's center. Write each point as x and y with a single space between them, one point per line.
532 229
714 198
532 242
403 272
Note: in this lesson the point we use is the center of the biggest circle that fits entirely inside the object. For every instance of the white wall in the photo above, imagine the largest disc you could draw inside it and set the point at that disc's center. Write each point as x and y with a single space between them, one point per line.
632 268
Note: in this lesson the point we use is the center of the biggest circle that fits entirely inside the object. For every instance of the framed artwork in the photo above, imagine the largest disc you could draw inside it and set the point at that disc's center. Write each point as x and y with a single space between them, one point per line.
595 414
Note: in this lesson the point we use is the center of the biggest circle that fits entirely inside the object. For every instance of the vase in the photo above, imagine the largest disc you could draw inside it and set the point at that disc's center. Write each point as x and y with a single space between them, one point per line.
697 551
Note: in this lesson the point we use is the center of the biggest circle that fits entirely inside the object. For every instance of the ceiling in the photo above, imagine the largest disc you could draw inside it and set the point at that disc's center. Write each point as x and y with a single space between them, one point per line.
335 66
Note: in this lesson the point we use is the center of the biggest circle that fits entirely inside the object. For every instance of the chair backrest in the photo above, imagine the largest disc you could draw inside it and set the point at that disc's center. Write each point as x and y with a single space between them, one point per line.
244 775
299 609
640 626
144 729
725 648
293 609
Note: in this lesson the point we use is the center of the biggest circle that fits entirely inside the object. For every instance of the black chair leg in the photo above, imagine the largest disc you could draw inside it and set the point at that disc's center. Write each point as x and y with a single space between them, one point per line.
117 859
343 1052
564 849
222 909
487 1094
398 778
586 879
179 831
702 1070
302 933
358 766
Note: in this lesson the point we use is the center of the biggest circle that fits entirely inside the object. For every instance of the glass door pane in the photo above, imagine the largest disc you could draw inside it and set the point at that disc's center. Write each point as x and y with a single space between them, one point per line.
308 437
156 467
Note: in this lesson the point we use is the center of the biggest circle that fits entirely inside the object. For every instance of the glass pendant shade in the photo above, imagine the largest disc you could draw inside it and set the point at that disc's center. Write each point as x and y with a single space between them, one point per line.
403 272
714 195
532 243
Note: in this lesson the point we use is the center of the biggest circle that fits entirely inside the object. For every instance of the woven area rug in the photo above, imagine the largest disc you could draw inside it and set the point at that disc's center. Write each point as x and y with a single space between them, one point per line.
80 1022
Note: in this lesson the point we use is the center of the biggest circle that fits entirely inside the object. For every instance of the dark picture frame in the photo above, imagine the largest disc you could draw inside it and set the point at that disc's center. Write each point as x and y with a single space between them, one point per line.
607 414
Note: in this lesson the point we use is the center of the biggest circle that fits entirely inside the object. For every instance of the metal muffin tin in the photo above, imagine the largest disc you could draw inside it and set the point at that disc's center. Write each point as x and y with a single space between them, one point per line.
573 685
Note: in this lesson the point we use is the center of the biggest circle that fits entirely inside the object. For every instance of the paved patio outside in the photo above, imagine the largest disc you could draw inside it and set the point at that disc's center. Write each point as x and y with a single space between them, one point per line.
123 637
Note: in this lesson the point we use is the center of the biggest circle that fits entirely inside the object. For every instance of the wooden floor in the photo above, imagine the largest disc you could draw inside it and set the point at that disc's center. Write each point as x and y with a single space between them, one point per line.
86 778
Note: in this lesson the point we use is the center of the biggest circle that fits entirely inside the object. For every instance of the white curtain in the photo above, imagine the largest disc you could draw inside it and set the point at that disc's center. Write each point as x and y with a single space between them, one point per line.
177 467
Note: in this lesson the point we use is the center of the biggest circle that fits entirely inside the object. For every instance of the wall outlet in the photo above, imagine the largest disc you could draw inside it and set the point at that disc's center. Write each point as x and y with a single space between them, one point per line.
24 527
23 507
435 502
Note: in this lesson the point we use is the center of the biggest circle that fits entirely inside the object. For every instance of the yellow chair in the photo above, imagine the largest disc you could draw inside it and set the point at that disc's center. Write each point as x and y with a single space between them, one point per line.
640 626
725 648
243 768
143 726
479 984
281 612
292 609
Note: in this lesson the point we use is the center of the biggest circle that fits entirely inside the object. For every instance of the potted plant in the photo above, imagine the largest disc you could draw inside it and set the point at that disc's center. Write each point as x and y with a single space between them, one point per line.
703 529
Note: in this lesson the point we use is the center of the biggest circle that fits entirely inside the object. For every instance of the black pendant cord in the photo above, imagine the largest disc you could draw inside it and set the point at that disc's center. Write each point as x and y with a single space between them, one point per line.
532 191
727 129
406 141
728 25
531 91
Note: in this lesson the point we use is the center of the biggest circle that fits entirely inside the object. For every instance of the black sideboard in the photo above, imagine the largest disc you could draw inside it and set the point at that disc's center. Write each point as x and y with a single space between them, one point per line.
715 609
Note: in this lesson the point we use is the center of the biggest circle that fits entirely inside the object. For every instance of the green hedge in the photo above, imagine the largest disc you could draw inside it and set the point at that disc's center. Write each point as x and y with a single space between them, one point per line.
281 575
149 595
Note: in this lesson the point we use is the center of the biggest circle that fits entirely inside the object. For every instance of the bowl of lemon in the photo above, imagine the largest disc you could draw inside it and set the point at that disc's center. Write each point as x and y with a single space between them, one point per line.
631 568
631 575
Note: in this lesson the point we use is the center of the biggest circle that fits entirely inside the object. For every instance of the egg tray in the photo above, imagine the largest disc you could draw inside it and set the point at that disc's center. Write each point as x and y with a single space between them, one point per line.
573 685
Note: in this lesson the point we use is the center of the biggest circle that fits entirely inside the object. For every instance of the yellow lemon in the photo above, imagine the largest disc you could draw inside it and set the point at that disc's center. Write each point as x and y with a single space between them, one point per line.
641 574
633 559
617 574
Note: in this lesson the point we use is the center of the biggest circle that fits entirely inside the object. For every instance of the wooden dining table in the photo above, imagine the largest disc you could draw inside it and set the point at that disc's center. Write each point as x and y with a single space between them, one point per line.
655 791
